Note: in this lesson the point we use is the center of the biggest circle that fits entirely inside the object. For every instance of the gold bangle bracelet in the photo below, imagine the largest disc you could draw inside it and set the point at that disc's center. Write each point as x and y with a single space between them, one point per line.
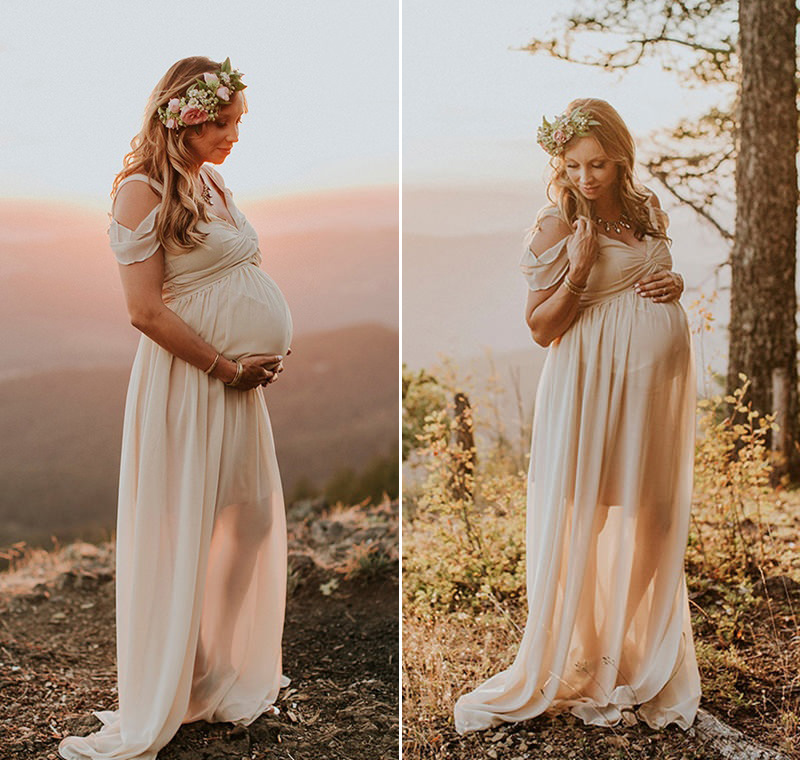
213 365
238 376
572 287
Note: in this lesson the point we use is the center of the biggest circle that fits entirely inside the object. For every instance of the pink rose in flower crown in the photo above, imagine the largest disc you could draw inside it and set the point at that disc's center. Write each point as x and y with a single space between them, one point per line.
559 136
174 105
223 93
210 78
192 115
170 124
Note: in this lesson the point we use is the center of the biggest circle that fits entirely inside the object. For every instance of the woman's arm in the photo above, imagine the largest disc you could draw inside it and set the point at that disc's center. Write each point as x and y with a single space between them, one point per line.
549 313
142 283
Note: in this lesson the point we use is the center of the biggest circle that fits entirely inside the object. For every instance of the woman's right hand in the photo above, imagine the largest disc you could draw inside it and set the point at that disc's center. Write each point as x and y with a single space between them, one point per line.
582 250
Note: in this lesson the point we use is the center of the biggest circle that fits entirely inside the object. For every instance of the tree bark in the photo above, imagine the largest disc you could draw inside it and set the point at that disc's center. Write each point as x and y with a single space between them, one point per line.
763 297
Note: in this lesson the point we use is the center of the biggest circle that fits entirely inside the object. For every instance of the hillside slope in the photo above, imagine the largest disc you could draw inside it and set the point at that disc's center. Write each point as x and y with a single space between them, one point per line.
334 407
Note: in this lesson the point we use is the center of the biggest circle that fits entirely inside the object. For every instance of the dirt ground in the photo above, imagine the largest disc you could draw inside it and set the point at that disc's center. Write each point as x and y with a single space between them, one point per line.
340 651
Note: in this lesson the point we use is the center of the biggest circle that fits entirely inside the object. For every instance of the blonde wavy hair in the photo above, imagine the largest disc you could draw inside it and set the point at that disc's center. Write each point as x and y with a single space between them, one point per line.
164 156
617 143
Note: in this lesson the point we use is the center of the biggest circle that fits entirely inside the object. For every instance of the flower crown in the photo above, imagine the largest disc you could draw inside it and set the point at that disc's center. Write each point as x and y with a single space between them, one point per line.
553 136
203 99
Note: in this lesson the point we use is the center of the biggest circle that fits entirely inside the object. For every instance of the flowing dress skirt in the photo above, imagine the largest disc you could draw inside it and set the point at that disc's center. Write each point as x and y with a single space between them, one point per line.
608 633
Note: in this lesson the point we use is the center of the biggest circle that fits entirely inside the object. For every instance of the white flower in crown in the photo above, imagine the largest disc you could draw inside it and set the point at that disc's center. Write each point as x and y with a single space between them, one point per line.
554 136
203 98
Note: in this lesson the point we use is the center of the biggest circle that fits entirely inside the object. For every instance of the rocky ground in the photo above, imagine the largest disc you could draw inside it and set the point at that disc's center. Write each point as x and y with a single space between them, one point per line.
563 737
340 648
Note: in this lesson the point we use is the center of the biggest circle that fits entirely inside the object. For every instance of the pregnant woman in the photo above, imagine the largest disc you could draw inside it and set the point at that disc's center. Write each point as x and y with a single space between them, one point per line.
201 536
608 633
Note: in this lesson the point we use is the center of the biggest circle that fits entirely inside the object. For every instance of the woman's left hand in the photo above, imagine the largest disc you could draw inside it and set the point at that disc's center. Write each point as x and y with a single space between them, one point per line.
275 369
660 287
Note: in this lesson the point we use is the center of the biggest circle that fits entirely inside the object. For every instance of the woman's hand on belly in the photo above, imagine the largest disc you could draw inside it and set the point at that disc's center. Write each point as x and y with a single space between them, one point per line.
273 367
258 369
661 287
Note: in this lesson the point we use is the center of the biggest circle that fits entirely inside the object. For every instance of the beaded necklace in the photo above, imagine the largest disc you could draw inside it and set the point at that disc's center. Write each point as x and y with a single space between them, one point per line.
622 223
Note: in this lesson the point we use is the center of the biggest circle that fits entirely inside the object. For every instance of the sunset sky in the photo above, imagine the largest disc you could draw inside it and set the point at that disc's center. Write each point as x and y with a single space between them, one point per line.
322 90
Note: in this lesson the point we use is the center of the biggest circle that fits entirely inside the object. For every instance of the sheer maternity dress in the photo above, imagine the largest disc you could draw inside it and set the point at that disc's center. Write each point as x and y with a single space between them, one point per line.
608 635
201 534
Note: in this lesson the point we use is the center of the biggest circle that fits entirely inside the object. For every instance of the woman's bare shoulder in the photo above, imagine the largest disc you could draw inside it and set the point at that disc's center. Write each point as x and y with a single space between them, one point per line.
133 202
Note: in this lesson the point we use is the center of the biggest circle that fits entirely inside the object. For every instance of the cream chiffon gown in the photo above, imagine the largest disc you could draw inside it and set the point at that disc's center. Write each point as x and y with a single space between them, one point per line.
201 533
608 635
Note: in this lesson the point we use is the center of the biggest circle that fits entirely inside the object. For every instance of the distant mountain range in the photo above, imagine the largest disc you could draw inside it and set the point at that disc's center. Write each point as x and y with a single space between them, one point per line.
334 407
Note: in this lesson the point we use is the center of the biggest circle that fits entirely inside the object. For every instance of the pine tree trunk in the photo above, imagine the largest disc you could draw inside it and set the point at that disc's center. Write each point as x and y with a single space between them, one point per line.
763 341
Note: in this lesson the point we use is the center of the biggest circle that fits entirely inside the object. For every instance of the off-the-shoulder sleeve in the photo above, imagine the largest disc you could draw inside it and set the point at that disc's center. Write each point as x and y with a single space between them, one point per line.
546 269
132 246
658 217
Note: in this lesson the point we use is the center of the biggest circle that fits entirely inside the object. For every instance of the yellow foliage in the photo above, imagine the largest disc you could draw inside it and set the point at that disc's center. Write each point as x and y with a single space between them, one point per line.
732 478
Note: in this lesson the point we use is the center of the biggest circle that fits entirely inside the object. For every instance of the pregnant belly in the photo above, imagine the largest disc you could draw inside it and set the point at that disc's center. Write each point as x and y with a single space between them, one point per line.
257 316
241 314
659 336
633 336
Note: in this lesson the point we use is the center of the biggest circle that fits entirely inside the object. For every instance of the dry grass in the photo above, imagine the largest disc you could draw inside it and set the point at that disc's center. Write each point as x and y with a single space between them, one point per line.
439 659
27 566
356 542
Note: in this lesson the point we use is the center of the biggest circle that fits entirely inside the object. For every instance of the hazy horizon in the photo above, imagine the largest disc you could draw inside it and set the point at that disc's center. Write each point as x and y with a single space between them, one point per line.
463 293
333 254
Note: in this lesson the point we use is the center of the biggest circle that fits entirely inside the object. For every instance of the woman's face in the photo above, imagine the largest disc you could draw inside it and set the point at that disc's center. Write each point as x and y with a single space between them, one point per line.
589 169
215 139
